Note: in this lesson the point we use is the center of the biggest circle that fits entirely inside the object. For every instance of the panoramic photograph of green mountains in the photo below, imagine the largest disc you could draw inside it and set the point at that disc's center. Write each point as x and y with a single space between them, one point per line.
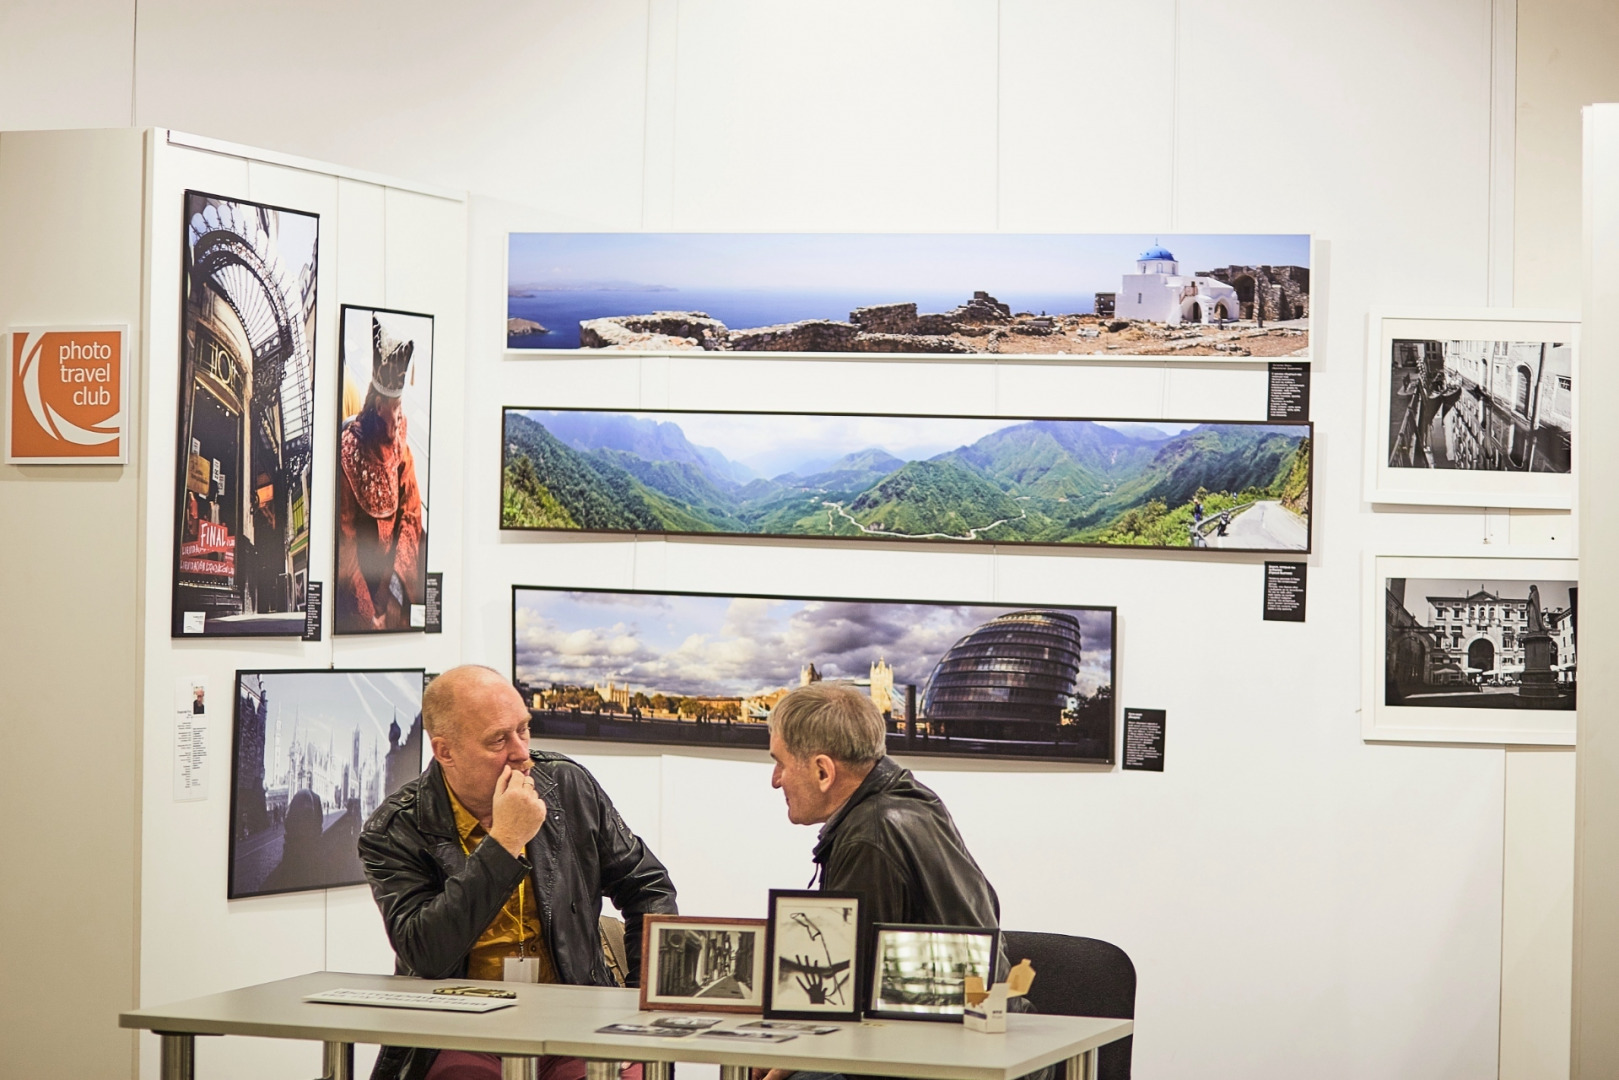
1229 485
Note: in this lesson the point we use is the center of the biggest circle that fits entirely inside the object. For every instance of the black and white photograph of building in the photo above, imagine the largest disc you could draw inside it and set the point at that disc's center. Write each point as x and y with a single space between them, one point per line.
924 972
1490 644
315 753
1490 406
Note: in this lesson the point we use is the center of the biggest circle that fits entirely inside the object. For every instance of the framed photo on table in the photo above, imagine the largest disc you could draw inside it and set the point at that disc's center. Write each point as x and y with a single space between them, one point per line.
704 965
814 955
920 972
1472 408
1470 650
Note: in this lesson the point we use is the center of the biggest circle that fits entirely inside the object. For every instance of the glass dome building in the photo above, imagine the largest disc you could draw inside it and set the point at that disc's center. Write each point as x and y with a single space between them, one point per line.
1011 678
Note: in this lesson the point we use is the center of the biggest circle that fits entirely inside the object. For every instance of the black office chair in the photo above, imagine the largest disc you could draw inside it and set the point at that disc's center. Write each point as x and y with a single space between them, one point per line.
1080 976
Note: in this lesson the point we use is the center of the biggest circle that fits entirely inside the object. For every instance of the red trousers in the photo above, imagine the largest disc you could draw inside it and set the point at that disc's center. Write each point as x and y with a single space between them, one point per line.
460 1065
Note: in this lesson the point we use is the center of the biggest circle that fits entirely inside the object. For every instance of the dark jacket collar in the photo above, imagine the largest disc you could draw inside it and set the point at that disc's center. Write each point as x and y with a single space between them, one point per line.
883 775
435 816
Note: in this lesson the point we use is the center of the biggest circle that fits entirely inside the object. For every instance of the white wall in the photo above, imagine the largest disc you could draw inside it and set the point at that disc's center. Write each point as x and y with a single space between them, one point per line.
378 245
1350 895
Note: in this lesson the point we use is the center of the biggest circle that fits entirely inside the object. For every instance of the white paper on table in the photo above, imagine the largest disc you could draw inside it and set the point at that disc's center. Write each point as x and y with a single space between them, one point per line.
190 738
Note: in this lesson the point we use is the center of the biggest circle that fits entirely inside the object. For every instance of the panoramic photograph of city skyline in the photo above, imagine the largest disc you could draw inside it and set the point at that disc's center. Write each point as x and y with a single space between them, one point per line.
971 680
1233 485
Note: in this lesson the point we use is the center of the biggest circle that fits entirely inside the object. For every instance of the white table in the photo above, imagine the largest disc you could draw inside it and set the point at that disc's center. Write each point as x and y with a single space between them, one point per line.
562 1020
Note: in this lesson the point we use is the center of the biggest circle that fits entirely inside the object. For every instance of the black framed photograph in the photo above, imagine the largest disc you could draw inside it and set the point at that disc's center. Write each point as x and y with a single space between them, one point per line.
383 440
246 422
703 669
314 753
814 953
704 965
1190 485
1207 297
921 972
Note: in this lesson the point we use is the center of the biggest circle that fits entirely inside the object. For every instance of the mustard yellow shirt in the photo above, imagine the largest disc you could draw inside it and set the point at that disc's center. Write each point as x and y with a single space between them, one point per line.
516 931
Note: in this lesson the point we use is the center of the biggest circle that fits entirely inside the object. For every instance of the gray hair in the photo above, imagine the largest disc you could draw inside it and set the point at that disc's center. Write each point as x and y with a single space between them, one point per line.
825 718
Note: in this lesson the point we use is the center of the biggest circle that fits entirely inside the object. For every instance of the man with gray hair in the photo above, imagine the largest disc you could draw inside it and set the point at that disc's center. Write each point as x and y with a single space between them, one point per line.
885 835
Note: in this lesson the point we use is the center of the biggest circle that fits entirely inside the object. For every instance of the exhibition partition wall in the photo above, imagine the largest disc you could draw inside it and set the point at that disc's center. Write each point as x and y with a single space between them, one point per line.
371 245
1297 897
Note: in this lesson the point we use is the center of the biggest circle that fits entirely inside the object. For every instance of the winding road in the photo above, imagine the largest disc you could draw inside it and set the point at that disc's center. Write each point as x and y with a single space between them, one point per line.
972 534
1267 525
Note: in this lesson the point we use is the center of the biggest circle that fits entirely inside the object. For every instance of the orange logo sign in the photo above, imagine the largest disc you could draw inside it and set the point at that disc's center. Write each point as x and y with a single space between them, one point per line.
66 403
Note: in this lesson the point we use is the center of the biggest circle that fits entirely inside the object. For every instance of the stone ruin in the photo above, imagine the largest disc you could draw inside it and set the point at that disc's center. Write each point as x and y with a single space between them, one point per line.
884 328
1282 292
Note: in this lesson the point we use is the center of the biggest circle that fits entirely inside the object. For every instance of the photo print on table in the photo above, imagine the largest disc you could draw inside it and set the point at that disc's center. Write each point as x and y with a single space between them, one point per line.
1122 296
246 419
814 955
1473 411
699 669
920 972
1471 650
315 752
1180 484
383 441
705 965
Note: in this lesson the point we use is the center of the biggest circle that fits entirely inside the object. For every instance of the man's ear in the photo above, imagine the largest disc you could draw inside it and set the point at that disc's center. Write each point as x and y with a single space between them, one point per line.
441 749
826 772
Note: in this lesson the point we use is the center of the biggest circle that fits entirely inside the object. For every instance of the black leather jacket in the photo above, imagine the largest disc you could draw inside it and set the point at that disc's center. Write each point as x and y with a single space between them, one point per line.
896 844
436 900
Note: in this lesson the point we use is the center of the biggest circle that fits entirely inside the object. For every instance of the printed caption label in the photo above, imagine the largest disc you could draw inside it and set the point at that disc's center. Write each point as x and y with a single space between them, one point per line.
434 613
1144 740
1289 397
1284 591
312 594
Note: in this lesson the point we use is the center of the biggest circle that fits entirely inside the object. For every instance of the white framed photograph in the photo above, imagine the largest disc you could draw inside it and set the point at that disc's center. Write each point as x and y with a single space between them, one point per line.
708 965
1470 650
1472 408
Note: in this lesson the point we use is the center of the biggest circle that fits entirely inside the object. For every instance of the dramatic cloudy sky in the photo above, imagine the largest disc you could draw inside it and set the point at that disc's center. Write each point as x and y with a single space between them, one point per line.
743 645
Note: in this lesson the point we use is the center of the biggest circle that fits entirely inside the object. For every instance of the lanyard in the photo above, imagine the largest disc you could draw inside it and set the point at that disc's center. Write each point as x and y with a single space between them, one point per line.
522 929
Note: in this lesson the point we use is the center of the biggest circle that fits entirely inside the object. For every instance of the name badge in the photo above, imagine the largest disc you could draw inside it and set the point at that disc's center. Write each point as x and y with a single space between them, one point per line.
522 969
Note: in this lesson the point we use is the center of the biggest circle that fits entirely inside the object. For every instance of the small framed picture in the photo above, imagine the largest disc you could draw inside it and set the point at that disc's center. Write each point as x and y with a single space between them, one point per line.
813 951
704 965
1472 408
1470 650
920 972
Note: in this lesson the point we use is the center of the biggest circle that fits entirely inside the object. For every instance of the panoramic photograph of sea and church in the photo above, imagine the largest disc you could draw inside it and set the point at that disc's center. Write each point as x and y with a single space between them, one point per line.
969 680
1236 485
1010 294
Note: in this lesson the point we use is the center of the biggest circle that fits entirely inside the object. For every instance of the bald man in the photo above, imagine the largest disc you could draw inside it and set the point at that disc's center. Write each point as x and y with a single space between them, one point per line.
493 864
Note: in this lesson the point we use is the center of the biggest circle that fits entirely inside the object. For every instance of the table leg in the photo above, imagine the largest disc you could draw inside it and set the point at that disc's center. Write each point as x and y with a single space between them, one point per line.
337 1061
735 1072
1084 1066
657 1070
179 1060
601 1070
519 1068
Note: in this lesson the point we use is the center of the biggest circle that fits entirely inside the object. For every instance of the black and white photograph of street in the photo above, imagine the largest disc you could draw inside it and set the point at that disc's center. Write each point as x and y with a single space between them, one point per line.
697 963
316 753
1501 644
1488 406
